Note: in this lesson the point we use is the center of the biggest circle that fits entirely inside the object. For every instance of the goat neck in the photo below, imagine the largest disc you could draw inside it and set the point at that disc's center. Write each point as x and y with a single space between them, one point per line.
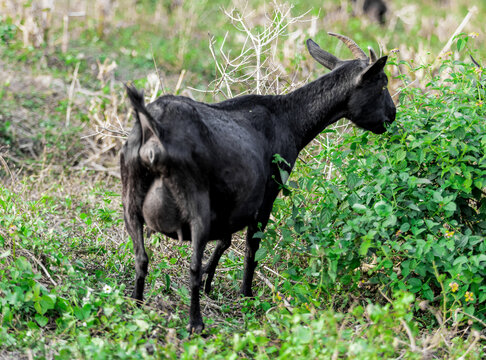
313 107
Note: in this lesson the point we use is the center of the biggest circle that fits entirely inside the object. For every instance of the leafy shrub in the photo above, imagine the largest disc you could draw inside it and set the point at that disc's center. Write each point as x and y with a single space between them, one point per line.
409 205
7 30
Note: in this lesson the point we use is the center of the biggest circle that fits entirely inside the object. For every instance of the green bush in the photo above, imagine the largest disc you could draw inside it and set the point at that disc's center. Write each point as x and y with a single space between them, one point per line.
410 204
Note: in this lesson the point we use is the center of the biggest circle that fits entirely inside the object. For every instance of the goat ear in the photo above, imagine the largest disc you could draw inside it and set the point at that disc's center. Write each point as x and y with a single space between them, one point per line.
373 56
371 71
322 57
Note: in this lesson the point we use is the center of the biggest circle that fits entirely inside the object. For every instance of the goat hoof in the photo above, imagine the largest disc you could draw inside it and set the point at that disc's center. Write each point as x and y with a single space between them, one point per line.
138 299
195 327
246 293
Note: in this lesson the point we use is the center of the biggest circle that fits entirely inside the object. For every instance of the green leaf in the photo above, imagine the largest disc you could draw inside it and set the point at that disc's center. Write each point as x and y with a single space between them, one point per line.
390 221
460 260
336 192
431 224
450 206
383 209
412 206
41 320
47 302
437 197
365 245
359 208
261 253
108 310
353 180
82 313
415 285
405 267
167 282
284 175
277 159
303 334
400 155
38 307
142 324
461 43
439 250
258 235
405 227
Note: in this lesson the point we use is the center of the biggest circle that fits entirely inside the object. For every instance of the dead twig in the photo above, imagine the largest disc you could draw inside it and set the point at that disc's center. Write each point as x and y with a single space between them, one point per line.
472 11
37 261
71 94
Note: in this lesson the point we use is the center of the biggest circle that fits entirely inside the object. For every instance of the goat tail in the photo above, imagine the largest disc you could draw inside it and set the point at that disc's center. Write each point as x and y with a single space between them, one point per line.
136 98
142 114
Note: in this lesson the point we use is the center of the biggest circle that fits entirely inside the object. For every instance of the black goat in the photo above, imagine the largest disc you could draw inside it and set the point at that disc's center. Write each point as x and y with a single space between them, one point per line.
375 9
201 172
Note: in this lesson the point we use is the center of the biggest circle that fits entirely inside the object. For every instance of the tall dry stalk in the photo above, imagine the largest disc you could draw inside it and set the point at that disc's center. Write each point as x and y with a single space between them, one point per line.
32 18
257 67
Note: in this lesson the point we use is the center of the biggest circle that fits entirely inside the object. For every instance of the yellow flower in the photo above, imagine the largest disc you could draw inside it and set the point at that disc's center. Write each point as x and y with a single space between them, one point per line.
12 229
469 296
473 35
449 234
454 286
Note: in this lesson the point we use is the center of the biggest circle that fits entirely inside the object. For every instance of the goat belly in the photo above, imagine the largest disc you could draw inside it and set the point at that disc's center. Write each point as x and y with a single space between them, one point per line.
160 211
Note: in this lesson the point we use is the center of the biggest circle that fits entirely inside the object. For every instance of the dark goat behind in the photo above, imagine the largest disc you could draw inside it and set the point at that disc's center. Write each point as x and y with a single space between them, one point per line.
199 172
375 9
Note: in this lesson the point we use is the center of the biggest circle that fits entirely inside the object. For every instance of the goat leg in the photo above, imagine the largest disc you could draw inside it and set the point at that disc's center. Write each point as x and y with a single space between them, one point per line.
199 238
133 191
252 245
135 229
210 266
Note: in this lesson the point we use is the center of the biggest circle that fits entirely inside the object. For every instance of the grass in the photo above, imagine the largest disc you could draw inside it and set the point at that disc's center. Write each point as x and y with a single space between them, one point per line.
326 287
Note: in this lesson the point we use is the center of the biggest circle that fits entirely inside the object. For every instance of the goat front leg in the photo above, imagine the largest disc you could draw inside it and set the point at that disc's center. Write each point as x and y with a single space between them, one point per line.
210 266
199 238
252 245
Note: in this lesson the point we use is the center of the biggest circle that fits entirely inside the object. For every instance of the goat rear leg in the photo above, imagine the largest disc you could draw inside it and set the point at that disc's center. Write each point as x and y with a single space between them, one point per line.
212 263
199 238
141 260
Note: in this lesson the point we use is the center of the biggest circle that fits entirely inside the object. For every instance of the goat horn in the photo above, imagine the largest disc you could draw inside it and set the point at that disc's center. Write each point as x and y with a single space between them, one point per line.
373 56
355 49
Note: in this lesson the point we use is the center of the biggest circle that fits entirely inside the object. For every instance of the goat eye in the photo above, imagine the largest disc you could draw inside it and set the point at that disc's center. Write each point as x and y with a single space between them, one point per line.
384 88
151 155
